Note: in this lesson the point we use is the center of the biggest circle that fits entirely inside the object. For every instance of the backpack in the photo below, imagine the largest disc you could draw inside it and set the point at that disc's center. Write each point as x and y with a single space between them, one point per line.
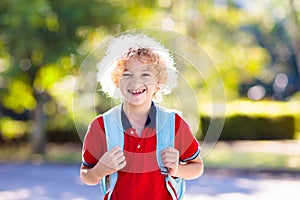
165 124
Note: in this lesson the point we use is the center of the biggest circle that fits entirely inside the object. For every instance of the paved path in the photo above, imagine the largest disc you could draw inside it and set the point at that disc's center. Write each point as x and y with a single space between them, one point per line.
62 182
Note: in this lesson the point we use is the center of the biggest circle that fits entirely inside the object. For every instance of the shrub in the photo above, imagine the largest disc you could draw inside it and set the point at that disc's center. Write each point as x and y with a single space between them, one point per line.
249 127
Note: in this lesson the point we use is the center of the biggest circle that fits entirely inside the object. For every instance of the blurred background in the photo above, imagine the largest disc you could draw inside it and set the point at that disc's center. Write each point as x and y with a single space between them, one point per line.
254 44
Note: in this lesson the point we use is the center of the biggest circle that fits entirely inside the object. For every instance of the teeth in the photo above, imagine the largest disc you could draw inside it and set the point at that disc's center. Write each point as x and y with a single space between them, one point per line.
136 91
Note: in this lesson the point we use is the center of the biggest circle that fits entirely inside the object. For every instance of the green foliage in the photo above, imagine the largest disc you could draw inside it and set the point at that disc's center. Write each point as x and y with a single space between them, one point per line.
245 120
40 53
241 127
20 97
14 129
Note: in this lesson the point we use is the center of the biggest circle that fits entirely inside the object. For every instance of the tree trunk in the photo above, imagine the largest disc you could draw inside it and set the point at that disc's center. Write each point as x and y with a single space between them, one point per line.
38 136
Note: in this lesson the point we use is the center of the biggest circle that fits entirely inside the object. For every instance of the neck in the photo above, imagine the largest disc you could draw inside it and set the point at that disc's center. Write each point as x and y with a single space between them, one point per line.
136 111
137 115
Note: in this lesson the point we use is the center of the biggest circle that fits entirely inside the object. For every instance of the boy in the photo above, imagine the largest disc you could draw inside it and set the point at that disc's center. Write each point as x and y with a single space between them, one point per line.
141 75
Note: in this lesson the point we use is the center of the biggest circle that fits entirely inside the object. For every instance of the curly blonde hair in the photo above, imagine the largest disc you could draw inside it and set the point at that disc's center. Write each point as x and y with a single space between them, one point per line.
147 51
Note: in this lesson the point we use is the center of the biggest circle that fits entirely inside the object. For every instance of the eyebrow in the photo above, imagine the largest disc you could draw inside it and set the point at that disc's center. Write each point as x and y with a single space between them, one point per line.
145 70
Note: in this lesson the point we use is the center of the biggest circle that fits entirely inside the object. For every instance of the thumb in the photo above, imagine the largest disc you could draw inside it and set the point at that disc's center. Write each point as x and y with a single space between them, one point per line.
115 149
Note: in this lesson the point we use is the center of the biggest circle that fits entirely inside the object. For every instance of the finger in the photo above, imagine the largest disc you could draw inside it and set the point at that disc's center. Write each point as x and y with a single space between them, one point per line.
170 159
170 165
120 159
170 151
115 150
170 156
119 156
122 165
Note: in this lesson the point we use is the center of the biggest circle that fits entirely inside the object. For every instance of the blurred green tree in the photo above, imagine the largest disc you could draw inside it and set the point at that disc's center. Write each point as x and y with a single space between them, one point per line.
277 31
38 47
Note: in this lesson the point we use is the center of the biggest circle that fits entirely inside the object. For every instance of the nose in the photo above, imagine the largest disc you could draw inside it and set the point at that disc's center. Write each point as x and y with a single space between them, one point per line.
136 80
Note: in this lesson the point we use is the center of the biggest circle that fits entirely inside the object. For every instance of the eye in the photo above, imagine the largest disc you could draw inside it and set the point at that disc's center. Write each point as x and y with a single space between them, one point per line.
146 74
126 74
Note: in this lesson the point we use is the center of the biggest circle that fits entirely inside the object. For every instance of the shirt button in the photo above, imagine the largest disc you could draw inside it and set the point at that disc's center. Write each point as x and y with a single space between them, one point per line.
138 146
132 132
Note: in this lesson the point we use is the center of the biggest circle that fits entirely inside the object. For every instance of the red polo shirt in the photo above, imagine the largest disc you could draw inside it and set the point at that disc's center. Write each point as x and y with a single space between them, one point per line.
141 177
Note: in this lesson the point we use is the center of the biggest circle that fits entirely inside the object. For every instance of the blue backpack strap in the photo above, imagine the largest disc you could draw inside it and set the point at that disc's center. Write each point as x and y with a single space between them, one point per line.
165 124
165 134
114 137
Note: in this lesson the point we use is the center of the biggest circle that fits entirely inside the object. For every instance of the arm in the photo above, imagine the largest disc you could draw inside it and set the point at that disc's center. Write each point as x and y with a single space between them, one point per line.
187 150
189 170
92 176
109 163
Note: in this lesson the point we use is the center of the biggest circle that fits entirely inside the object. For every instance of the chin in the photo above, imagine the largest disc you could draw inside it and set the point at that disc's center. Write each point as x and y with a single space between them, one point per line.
139 102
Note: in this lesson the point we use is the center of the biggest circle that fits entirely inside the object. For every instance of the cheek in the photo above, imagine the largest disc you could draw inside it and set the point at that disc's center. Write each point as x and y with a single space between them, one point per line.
121 83
152 81
153 87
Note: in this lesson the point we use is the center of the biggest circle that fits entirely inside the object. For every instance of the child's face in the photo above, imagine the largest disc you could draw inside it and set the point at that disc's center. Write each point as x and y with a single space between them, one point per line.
138 83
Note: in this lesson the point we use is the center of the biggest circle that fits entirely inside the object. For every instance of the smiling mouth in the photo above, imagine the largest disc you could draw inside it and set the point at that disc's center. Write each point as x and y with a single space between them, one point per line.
137 92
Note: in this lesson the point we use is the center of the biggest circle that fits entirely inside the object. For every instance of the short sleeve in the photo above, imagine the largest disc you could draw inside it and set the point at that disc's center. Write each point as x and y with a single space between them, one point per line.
94 145
185 141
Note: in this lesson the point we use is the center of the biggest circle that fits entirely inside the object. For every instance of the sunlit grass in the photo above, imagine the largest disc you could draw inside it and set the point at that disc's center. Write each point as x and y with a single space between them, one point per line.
55 153
252 160
229 157
14 153
69 153
222 156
